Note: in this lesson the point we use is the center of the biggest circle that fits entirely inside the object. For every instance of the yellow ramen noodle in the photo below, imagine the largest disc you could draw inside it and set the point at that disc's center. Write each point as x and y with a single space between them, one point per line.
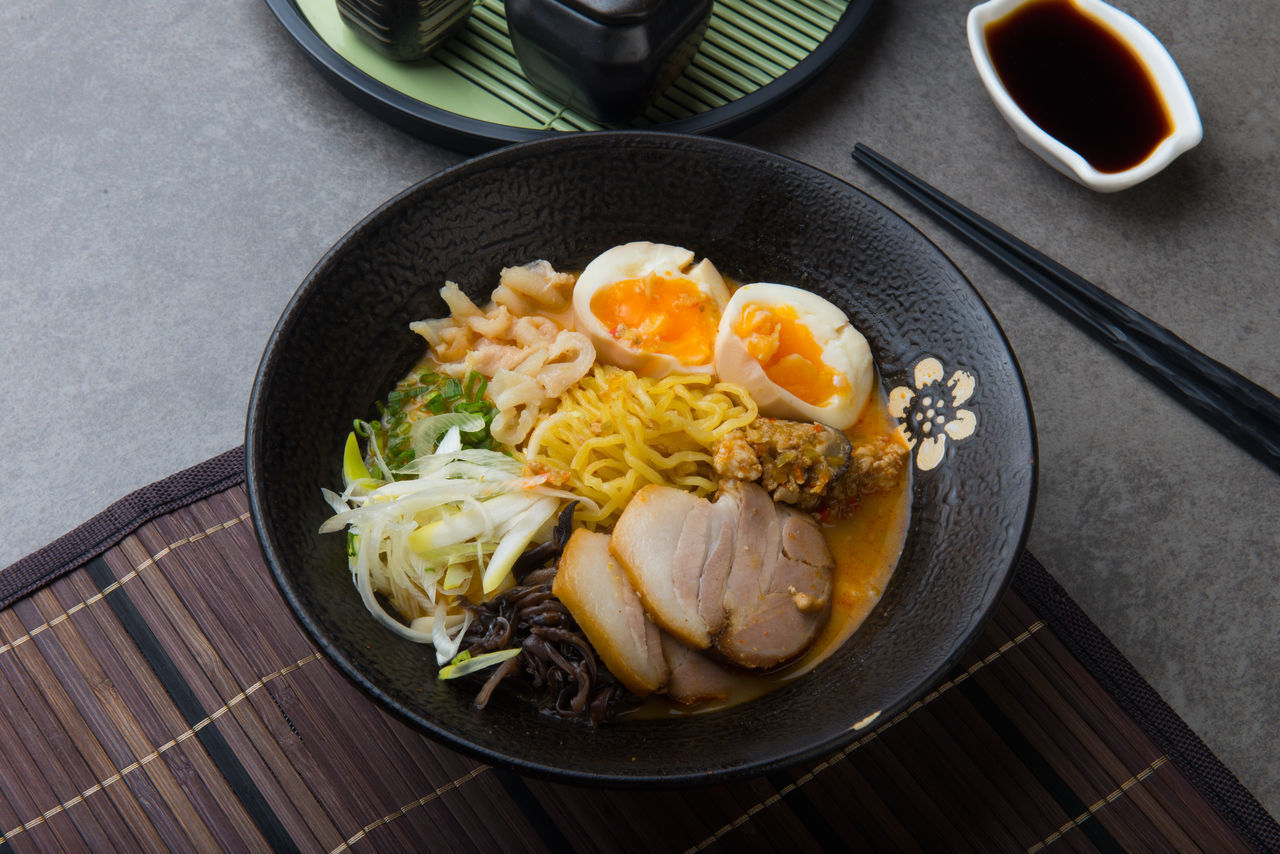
613 432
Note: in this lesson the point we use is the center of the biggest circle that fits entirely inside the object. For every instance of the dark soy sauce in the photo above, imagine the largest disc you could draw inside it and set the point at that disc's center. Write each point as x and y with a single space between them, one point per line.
1080 83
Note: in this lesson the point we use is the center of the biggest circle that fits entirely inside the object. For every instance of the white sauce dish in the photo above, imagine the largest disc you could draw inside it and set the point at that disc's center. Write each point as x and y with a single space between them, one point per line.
1013 86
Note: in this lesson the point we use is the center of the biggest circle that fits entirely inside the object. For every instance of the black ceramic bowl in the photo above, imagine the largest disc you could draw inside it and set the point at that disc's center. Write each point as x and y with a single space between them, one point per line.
344 340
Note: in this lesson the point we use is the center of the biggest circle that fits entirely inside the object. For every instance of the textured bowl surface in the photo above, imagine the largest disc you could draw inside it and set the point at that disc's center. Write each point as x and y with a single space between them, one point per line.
344 340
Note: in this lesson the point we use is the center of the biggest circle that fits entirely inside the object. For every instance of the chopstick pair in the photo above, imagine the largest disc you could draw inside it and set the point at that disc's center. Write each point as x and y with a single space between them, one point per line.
1243 411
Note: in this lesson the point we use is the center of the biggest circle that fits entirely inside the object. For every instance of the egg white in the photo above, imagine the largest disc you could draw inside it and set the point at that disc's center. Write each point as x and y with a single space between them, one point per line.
634 261
844 350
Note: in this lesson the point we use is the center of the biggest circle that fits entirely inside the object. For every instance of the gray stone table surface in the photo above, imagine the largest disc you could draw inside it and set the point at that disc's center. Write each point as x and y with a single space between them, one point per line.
170 171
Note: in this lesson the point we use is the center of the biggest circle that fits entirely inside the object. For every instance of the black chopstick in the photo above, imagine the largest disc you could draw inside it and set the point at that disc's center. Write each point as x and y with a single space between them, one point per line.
1243 411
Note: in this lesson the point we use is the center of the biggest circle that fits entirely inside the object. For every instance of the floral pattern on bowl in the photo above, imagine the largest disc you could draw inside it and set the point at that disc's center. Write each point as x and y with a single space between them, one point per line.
932 411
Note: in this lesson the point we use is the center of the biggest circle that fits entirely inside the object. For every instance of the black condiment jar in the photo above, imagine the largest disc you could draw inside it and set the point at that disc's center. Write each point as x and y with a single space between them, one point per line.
606 58
404 29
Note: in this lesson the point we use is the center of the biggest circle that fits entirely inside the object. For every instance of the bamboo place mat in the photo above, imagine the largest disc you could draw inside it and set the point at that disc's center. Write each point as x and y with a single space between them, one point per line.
156 694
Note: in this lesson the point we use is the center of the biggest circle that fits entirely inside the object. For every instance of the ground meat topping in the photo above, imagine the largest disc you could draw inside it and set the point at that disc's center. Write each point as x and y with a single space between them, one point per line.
874 466
794 461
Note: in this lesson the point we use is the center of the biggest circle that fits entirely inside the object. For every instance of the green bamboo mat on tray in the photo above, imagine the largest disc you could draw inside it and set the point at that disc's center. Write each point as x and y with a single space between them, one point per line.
157 695
748 44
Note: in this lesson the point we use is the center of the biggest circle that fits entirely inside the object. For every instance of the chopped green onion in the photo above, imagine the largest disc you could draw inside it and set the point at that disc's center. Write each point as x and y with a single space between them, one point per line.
475 386
394 441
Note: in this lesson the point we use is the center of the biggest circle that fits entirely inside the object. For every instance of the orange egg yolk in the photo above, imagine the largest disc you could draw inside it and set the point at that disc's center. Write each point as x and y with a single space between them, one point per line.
657 314
786 349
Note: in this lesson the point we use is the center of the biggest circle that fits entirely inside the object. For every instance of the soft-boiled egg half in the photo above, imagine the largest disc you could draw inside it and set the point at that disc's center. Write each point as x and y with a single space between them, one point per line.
796 354
649 308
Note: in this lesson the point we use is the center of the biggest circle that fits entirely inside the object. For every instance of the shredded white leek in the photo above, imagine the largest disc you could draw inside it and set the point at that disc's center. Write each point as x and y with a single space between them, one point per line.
446 534
465 663
425 431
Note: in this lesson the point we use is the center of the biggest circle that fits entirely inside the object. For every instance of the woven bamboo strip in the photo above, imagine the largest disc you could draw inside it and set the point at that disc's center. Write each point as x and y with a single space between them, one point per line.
101 594
779 25
824 19
747 46
483 37
583 820
689 94
24 787
349 771
750 807
490 814
768 805
249 735
241 598
493 14
56 748
254 730
381 765
355 742
177 619
1041 704
496 79
387 819
1036 806
1046 729
54 712
228 600
223 602
750 32
1081 723
235 828
1108 722
1193 813
679 100
365 742
723 70
475 818
35 770
941 689
967 775
1043 727
776 819
1114 743
902 792
1091 714
967 782
695 816
954 805
909 793
601 822
730 47
475 811
337 704
854 806
832 9
76 663
182 738
1093 808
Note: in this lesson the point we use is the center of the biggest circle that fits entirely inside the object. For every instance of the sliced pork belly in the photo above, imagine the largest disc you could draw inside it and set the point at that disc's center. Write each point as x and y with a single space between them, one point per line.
695 678
744 575
598 593
662 562
719 560
778 589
